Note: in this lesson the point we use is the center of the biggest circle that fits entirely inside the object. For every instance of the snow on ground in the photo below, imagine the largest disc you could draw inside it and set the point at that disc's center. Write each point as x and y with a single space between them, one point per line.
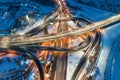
88 12
108 36
113 65
115 73
108 5
112 68
73 60
6 23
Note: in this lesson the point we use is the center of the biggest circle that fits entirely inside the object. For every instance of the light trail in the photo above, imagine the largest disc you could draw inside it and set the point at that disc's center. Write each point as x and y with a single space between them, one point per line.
91 27
65 17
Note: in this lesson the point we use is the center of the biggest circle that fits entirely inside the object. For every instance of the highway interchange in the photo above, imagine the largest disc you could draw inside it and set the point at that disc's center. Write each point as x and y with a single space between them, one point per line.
56 66
27 40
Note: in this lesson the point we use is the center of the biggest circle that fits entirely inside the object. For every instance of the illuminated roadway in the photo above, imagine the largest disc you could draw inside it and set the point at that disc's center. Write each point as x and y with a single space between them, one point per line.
9 41
80 68
18 40
29 40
